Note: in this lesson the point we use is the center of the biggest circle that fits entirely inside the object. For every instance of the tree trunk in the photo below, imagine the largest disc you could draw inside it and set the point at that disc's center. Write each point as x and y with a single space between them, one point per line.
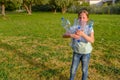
54 10
30 7
3 9
64 10
27 9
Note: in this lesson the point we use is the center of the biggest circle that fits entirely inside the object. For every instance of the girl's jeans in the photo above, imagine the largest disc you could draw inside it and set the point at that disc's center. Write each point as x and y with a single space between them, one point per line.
84 58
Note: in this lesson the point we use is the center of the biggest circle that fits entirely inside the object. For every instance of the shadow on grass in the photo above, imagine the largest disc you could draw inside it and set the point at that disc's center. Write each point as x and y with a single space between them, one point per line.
46 71
29 59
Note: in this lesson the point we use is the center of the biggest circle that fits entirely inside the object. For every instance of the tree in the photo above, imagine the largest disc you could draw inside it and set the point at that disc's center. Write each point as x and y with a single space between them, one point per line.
43 2
2 2
63 4
117 1
11 5
28 4
53 4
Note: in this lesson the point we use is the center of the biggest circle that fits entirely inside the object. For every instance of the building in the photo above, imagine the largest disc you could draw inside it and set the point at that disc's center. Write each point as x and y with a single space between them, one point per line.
101 2
97 2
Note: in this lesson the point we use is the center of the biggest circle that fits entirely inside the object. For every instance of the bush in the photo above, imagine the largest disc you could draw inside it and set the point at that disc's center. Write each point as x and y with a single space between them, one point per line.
77 6
10 6
75 9
111 9
93 9
42 8
72 9
115 9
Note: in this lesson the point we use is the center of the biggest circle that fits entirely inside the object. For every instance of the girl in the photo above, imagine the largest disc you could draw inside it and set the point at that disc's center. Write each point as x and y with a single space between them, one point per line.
81 45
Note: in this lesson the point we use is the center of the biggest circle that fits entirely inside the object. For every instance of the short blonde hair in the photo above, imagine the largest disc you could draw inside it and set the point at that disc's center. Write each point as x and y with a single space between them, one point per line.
83 11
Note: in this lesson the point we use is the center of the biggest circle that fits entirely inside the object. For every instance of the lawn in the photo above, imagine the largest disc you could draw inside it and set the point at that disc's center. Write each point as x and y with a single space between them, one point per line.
32 47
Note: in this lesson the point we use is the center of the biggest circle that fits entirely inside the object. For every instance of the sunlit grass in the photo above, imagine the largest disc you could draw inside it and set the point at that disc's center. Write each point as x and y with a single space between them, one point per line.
32 48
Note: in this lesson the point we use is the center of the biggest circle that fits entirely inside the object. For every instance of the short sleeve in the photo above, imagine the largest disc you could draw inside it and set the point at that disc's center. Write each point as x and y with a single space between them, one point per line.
90 30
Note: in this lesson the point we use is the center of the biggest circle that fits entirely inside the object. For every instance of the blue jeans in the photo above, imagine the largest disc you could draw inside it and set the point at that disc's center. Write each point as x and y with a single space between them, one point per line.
84 58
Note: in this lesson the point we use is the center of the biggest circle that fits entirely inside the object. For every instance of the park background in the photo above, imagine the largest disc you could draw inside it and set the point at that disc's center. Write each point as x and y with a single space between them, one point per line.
32 47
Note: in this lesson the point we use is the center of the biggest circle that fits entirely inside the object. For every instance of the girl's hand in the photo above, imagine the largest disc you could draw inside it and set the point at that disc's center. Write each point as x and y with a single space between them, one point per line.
89 38
75 36
80 32
66 35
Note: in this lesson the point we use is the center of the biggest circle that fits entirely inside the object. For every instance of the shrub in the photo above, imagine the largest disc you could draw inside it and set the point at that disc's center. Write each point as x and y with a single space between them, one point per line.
93 9
77 6
42 8
75 9
115 9
10 6
111 9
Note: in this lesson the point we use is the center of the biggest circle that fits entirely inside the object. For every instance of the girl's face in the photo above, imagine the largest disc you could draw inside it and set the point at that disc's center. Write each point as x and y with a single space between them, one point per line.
83 17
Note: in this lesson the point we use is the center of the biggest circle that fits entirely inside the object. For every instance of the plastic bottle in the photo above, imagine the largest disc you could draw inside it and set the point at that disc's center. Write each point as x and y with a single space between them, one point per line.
91 22
80 26
83 24
78 29
65 23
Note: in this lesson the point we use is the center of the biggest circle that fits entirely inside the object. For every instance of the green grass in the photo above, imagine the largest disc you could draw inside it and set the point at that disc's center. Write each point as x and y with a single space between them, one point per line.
32 48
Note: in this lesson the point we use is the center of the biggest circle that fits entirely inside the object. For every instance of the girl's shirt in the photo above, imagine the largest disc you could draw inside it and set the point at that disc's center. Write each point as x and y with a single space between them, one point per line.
81 45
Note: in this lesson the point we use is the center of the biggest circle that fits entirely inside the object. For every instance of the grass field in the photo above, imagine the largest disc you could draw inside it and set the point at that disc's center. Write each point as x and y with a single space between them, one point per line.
32 48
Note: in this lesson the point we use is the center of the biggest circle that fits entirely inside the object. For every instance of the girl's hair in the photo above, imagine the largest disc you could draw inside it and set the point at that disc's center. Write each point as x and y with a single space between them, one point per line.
83 11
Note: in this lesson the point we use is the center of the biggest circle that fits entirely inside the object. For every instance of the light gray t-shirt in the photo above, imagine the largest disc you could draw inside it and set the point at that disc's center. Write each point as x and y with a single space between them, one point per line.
81 45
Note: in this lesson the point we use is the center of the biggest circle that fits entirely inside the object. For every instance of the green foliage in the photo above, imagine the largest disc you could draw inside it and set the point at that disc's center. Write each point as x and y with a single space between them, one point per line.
42 8
72 9
2 1
71 6
41 2
105 9
53 4
85 4
62 3
76 7
10 6
117 1
115 8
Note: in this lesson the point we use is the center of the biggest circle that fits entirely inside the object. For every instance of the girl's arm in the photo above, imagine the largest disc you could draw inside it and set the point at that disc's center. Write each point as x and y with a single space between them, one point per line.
79 34
69 35
89 38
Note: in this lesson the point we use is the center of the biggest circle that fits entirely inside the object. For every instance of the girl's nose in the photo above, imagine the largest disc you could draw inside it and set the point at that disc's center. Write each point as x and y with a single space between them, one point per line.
82 19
